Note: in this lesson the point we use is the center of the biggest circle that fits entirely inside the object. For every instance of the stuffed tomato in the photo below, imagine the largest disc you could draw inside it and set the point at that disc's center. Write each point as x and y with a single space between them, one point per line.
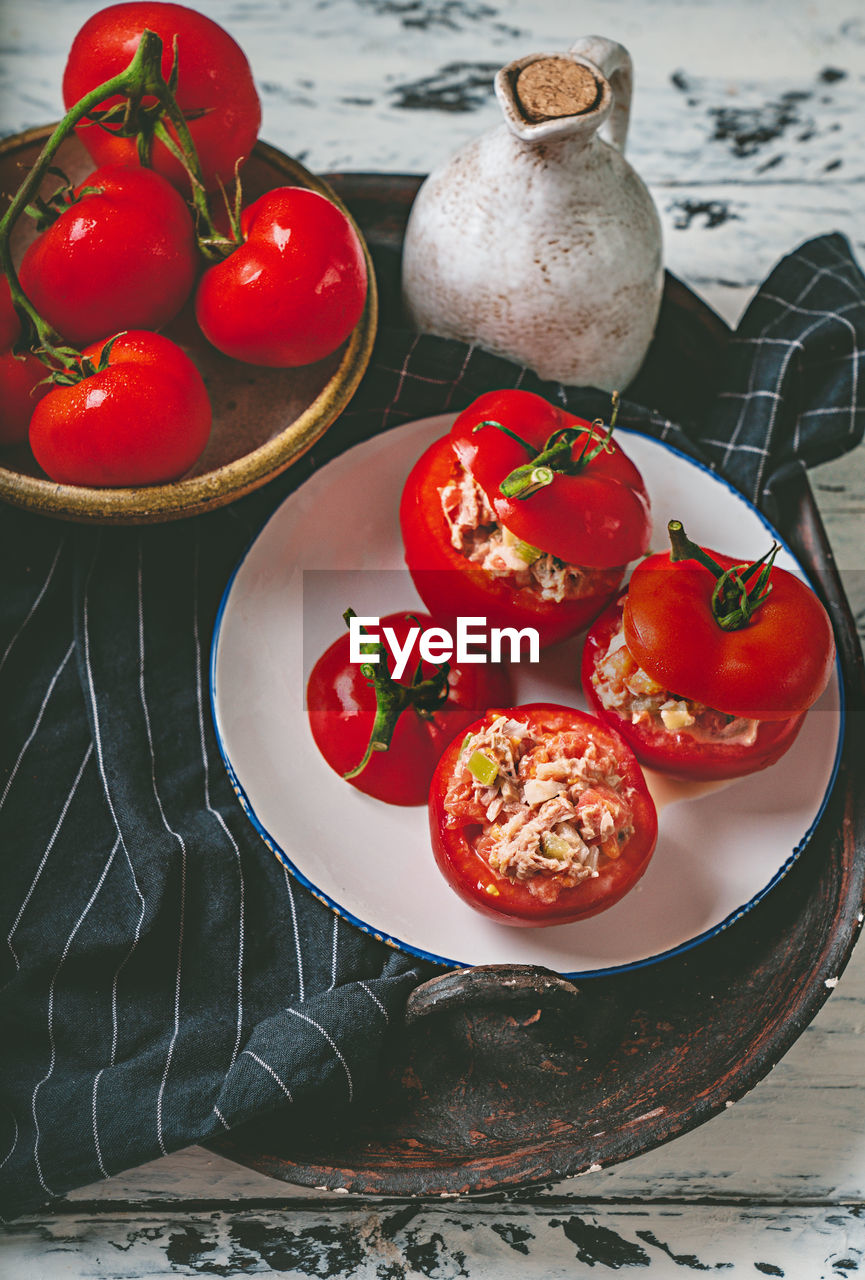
524 515
540 815
707 666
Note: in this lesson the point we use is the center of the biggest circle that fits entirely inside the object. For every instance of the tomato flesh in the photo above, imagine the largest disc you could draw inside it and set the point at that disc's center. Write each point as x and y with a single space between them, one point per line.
458 836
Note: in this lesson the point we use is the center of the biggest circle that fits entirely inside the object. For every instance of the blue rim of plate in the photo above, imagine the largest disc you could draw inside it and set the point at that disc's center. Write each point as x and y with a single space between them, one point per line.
444 961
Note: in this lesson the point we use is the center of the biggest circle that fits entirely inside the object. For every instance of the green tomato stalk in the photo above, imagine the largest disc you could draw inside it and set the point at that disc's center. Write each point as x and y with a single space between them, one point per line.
556 457
393 698
733 601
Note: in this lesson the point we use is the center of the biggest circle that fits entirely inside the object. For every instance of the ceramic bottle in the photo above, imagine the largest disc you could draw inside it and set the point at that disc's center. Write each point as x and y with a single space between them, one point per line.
538 241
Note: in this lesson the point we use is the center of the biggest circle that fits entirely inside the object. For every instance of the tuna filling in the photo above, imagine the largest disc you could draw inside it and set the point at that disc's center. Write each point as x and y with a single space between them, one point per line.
624 687
477 535
551 811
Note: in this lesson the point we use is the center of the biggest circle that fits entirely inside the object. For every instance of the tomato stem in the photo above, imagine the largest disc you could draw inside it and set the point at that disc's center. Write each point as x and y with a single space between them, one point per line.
491 422
733 602
393 698
557 456
682 548
47 337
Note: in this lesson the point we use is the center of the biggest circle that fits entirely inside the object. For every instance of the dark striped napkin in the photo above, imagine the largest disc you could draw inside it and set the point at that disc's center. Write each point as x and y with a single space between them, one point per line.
164 978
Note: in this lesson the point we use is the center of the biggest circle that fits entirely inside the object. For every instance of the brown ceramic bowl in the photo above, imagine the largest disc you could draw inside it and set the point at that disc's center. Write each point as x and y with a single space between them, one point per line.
263 419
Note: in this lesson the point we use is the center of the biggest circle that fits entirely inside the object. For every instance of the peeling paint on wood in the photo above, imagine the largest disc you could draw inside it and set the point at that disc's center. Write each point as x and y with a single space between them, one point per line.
485 1242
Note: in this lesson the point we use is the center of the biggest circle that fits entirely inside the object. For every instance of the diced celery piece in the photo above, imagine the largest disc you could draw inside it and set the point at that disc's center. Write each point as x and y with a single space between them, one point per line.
483 768
553 846
524 550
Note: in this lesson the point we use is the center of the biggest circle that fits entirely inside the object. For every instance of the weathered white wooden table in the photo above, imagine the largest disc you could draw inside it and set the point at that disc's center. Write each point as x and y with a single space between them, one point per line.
747 127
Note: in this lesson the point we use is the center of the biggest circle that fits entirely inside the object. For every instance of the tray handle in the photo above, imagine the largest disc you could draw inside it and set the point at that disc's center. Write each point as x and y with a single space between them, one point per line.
490 984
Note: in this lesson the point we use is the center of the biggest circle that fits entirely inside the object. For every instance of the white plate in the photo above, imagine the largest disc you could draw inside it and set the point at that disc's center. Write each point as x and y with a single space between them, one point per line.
335 543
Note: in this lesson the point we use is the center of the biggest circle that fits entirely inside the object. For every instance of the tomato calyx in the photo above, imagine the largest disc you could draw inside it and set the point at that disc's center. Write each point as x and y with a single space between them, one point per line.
148 99
141 114
211 243
77 367
46 212
557 456
423 695
733 601
131 118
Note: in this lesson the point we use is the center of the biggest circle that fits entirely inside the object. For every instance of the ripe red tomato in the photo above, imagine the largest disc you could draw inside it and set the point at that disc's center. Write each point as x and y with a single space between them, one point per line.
463 840
215 89
451 586
293 290
596 515
708 665
341 705
775 666
121 257
679 754
20 392
142 419
21 376
10 325
590 511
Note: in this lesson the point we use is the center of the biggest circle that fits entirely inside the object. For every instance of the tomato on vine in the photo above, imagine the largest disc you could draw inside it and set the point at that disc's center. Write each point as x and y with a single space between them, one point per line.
134 412
121 254
10 325
21 388
215 90
22 375
293 289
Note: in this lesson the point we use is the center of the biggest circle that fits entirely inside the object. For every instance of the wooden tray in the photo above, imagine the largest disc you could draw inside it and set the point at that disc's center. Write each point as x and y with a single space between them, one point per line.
496 1084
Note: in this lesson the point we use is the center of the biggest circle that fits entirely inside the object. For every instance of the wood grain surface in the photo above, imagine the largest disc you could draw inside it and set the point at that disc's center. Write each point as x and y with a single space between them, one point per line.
748 128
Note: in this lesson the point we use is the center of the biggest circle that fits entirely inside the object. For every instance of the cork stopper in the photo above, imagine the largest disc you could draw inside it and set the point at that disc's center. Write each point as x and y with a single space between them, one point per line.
554 87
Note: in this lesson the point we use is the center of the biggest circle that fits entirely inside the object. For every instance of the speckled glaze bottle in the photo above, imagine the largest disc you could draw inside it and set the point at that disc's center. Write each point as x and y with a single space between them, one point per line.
538 241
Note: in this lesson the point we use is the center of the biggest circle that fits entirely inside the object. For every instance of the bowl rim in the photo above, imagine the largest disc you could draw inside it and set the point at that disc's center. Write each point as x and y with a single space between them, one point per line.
180 499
